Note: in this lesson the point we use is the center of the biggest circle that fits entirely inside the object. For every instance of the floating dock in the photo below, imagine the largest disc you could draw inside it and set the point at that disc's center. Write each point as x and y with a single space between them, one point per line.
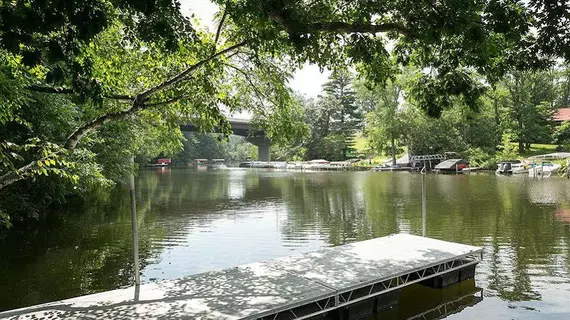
343 282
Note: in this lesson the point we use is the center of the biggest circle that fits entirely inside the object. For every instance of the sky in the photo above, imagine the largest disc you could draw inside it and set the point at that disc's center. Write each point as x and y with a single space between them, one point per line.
308 80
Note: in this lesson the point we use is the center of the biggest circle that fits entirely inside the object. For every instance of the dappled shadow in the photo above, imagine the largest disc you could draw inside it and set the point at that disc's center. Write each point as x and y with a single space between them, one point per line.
227 294
251 289
366 261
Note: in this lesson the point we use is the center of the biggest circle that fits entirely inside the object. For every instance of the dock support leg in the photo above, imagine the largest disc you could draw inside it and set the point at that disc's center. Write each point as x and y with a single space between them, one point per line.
132 192
424 204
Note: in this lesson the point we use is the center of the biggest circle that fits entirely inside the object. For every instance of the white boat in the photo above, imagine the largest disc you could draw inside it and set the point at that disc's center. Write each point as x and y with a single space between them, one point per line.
294 165
279 165
316 164
519 168
505 167
544 169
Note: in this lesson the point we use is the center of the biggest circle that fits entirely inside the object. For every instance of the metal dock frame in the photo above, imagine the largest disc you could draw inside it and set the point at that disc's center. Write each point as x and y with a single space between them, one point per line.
370 289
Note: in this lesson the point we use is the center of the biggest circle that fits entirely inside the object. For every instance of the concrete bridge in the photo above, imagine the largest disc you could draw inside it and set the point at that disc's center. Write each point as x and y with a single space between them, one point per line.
244 128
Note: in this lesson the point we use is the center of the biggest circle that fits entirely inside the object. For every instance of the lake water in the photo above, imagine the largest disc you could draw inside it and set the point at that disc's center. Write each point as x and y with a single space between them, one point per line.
192 222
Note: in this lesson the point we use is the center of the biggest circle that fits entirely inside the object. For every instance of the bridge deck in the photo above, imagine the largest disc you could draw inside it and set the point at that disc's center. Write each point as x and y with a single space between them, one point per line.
298 286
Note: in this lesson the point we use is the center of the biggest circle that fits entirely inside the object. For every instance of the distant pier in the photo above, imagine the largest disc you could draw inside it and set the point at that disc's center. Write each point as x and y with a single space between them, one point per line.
344 282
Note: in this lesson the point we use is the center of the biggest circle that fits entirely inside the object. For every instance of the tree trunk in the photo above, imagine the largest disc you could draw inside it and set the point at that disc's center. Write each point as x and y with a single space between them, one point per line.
520 126
497 121
393 147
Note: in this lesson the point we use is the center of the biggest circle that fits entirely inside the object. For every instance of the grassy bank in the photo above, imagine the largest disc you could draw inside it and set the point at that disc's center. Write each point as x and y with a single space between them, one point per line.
537 149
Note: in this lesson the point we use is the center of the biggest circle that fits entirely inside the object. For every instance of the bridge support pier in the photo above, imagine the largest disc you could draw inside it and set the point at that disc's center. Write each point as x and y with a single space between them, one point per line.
264 152
263 147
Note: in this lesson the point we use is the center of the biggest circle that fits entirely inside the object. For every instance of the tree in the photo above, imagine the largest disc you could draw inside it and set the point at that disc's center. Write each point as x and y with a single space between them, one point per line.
426 135
564 98
324 141
561 135
530 106
385 126
346 115
506 149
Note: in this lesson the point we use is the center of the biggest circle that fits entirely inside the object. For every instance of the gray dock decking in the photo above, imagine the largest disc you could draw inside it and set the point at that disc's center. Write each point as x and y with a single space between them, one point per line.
299 286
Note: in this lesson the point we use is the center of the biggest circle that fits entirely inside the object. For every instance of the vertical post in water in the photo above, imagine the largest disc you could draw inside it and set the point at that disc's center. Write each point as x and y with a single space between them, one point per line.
134 225
424 217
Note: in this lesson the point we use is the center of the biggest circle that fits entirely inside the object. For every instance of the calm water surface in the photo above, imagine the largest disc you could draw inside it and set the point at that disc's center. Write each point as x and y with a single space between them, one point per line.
193 222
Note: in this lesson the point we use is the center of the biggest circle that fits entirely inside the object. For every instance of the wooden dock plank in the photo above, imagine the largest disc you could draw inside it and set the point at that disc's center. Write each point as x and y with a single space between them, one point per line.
260 288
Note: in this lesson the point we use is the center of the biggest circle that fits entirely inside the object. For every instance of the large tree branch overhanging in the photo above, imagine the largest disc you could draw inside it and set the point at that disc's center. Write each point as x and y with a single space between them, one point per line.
220 26
78 134
138 103
182 75
281 16
15 176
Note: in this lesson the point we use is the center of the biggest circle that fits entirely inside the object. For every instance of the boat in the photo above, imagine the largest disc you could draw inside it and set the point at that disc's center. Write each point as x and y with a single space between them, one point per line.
402 164
389 167
544 169
519 168
316 164
505 167
294 165
279 165
246 164
451 166
217 164
470 169
339 165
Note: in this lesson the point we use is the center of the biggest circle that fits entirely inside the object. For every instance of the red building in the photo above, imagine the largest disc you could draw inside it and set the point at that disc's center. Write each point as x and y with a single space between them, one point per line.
164 161
563 114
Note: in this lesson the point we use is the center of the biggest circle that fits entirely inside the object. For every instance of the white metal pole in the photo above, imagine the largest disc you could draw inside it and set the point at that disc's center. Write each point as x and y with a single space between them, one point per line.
424 216
134 226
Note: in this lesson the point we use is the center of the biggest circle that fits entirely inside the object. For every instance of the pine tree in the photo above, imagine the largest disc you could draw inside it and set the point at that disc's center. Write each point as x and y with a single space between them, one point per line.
346 116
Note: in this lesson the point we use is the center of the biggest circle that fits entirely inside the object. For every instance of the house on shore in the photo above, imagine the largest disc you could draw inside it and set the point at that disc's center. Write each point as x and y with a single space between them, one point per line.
563 114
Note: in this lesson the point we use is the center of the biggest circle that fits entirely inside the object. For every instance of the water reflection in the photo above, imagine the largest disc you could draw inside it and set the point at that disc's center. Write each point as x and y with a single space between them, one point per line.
192 222
420 302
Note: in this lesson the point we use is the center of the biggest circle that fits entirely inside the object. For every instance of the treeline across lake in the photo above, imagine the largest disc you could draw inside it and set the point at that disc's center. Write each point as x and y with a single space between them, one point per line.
352 119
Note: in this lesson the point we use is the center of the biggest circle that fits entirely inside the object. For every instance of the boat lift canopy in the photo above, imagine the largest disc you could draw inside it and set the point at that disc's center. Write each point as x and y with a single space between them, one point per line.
551 156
